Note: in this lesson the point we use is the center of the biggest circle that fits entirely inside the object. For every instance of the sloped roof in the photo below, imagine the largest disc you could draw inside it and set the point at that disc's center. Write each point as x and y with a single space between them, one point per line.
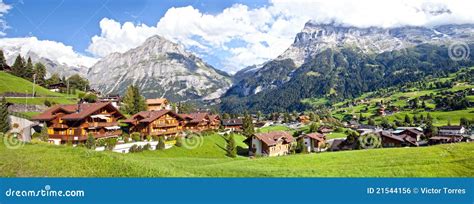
232 122
450 127
316 136
272 138
74 111
156 101
196 117
150 116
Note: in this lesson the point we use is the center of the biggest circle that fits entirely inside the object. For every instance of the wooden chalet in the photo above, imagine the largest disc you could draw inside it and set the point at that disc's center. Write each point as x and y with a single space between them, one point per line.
325 129
276 143
156 123
451 130
304 119
57 87
198 121
407 137
445 139
232 124
73 123
314 142
157 104
214 121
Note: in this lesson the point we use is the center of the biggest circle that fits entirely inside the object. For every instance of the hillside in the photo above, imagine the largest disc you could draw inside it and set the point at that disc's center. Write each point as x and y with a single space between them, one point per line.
453 160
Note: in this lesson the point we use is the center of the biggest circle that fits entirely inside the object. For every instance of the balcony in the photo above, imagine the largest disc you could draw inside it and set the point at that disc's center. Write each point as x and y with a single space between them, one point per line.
96 135
101 124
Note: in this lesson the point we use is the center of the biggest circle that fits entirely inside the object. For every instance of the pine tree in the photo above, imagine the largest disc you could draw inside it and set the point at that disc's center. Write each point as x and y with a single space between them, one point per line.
371 122
247 126
90 142
18 68
4 122
29 70
133 102
407 120
40 72
3 61
44 133
54 79
231 147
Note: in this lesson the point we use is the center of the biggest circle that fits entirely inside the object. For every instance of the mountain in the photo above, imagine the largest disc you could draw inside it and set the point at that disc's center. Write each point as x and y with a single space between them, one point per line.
52 65
338 62
160 68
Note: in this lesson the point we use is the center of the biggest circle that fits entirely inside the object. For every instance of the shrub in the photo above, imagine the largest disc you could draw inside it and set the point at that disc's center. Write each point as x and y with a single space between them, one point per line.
90 142
161 143
135 136
47 103
148 138
179 141
100 143
110 143
155 137
147 147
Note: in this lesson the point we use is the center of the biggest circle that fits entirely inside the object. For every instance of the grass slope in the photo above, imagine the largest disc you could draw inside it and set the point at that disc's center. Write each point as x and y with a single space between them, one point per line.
209 160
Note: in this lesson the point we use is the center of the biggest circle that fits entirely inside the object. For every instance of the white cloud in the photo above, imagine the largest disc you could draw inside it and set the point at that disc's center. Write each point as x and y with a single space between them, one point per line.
4 8
45 48
266 32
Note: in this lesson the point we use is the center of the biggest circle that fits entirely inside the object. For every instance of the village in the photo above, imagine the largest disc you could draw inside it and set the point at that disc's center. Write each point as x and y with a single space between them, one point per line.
101 125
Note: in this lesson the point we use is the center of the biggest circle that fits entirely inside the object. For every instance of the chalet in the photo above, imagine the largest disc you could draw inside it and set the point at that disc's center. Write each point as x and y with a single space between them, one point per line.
325 129
214 122
198 121
114 99
234 124
270 144
445 139
156 123
413 137
391 140
313 142
73 123
57 87
452 130
304 119
158 104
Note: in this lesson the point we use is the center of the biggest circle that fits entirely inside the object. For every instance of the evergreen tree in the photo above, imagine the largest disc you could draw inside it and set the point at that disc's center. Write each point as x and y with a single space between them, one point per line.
231 147
259 116
313 127
90 142
40 72
3 61
225 116
161 143
449 122
133 102
29 70
4 122
371 121
54 79
18 68
431 130
179 141
464 122
385 124
44 136
248 127
407 120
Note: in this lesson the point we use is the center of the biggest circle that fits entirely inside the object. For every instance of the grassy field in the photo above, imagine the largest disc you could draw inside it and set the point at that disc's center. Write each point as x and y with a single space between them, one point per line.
209 160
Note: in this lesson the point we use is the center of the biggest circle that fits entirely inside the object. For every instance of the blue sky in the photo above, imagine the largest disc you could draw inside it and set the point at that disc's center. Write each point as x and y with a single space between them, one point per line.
229 35
74 22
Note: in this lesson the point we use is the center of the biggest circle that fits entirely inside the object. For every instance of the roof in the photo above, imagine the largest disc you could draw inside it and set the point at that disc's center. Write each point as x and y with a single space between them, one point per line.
71 111
231 122
451 127
316 136
150 116
196 117
214 117
272 138
156 101
391 136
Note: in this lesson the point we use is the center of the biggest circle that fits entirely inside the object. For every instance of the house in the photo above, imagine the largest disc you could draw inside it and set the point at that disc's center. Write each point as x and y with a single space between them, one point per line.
156 123
452 130
198 121
304 119
413 137
313 142
381 111
74 123
158 104
234 124
325 129
445 139
276 143
214 121
114 99
57 87
391 140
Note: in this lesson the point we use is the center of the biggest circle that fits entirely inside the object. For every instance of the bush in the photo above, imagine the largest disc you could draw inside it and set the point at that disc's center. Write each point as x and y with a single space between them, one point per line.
161 143
47 103
147 147
110 143
135 136
90 142
135 148
148 138
179 142
100 143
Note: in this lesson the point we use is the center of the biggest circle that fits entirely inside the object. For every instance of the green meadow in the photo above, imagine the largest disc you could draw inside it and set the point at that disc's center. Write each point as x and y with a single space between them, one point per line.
209 160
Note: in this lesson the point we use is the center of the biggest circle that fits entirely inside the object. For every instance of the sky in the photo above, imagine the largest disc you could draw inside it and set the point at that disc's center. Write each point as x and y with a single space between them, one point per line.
229 35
